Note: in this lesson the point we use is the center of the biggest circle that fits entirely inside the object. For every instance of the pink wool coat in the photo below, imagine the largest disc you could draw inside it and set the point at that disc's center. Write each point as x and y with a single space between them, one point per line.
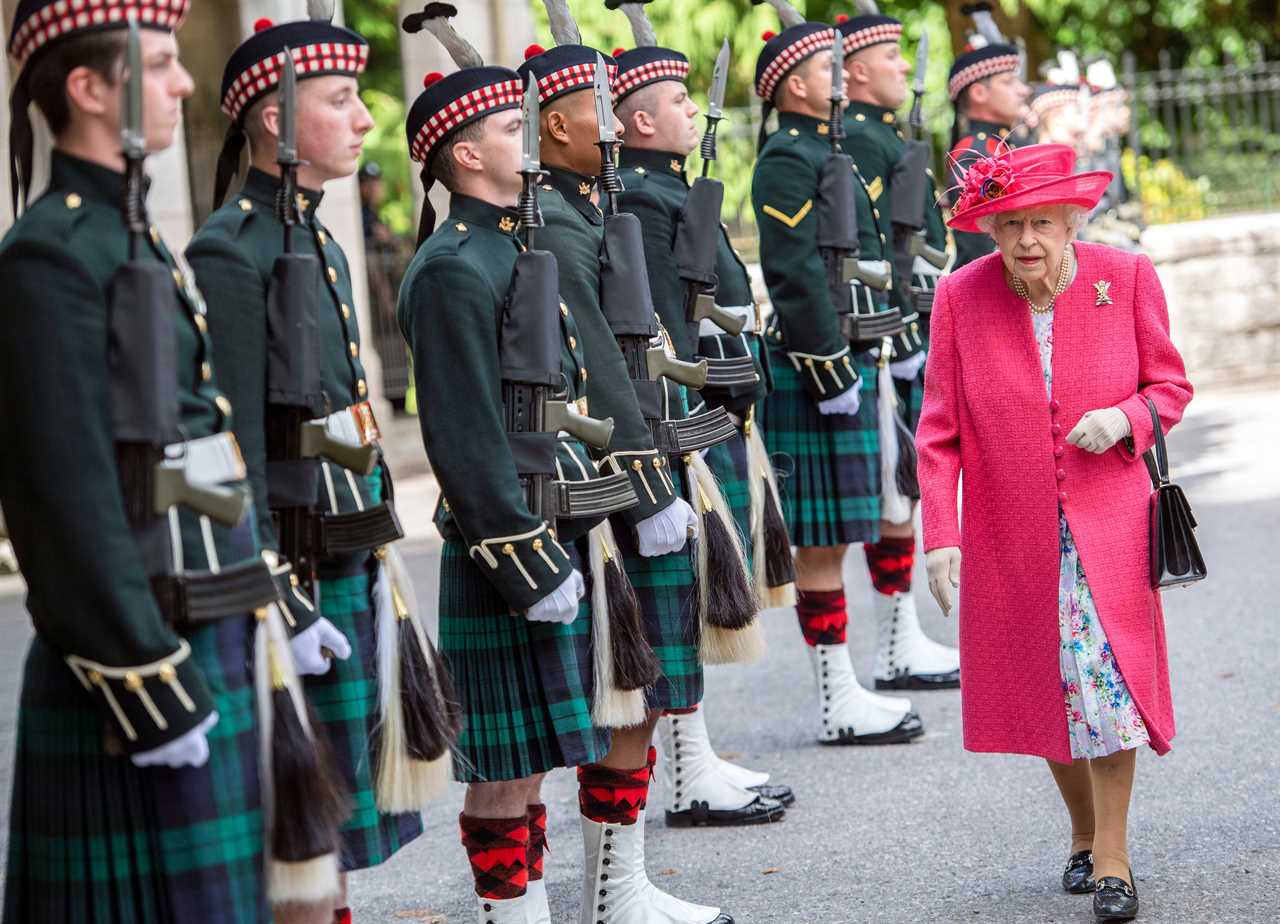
986 415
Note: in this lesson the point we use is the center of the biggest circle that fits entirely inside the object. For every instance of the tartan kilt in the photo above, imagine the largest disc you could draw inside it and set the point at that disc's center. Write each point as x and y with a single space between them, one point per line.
729 462
665 586
525 687
346 702
95 840
911 398
828 466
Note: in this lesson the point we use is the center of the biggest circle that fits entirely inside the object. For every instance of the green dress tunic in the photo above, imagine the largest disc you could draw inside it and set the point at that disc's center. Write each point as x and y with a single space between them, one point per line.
92 837
525 687
656 190
828 465
875 142
665 583
232 255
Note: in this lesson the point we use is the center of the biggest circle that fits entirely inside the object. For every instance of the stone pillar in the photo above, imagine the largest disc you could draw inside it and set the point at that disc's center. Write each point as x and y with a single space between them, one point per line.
499 29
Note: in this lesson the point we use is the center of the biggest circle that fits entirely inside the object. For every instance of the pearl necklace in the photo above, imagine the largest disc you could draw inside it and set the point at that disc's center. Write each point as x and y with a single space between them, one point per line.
1064 279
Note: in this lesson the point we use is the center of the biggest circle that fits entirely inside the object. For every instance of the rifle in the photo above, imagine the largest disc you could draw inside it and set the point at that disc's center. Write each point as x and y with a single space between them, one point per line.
911 194
698 232
837 207
295 438
628 308
534 406
143 358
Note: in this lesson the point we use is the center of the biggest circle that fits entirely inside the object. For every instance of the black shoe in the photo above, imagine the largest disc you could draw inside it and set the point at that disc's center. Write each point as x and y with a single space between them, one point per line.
947 681
1077 878
721 918
1115 900
908 729
778 793
762 811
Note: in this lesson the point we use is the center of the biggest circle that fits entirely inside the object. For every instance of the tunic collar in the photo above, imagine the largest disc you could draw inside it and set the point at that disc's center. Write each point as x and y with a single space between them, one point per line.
869 112
476 213
795 123
261 187
86 179
659 163
577 190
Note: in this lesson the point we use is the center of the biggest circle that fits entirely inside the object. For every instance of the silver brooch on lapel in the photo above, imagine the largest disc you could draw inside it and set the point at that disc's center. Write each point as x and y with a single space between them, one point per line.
1103 288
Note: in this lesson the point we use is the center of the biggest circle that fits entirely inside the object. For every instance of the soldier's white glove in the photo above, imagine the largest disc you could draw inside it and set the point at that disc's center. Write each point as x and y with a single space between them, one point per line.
188 750
847 403
309 645
667 530
561 605
1098 431
943 566
907 369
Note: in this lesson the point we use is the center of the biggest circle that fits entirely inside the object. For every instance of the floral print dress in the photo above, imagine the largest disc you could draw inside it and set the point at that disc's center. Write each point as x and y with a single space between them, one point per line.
1101 716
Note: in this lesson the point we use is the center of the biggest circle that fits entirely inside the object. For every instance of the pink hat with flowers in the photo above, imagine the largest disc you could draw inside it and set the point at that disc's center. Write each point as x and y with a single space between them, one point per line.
1023 178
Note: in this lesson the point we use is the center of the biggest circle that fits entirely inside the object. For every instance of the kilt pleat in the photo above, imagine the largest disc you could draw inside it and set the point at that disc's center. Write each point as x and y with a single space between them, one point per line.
95 840
525 687
730 464
665 586
828 466
346 701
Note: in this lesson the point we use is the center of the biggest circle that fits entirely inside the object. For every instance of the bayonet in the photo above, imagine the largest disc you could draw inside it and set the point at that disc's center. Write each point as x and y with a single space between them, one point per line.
715 106
530 162
287 148
837 91
610 183
915 122
133 141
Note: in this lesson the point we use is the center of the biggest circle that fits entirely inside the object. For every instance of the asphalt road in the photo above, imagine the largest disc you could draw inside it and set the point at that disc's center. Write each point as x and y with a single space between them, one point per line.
926 832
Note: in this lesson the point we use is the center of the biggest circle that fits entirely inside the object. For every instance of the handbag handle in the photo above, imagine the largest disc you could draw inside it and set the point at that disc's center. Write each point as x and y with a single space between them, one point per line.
1157 458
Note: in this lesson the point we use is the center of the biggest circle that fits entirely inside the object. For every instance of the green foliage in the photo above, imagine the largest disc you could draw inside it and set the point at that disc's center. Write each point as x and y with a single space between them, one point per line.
382 89
1167 194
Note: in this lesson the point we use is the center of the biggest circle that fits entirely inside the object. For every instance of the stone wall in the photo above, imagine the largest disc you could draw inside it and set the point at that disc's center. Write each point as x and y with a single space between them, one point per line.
1222 281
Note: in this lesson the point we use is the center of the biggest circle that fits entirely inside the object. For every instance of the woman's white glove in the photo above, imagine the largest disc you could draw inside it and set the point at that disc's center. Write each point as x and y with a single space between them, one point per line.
188 750
846 403
667 530
943 566
1098 431
561 605
309 645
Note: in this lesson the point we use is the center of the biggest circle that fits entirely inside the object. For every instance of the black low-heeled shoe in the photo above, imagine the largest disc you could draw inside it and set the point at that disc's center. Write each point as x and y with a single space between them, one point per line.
1077 878
1115 900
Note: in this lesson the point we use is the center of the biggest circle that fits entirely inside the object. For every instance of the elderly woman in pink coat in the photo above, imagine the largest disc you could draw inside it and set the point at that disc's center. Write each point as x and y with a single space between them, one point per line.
1043 357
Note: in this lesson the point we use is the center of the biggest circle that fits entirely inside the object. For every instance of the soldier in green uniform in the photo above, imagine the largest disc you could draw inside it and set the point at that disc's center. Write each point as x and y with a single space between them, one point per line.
323 516
136 787
653 104
876 80
989 96
653 536
821 419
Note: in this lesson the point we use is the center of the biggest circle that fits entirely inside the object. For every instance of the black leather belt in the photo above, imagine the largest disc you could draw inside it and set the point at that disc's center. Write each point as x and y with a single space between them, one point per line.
344 533
691 434
731 371
196 597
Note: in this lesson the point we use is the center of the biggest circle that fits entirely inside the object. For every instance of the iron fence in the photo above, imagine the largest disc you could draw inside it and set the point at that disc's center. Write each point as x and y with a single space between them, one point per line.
1220 128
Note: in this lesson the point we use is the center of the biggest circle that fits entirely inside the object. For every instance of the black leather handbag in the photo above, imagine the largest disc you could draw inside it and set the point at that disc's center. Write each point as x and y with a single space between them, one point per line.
1175 555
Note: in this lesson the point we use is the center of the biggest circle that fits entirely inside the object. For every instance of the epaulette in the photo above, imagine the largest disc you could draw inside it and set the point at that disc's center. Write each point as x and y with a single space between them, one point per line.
234 216
57 214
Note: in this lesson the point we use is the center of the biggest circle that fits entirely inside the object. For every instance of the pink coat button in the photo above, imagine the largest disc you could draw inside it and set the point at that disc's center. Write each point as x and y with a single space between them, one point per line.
1053 406
1063 497
1062 475
1058 453
1057 428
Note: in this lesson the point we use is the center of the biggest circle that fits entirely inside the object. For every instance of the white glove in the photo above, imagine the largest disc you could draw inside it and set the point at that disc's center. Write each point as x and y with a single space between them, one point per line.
1098 431
309 644
561 605
847 403
907 369
943 566
668 530
189 750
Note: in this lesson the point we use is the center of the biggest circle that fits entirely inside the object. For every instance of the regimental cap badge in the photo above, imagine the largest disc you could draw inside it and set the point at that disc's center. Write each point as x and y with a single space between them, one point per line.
1103 288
